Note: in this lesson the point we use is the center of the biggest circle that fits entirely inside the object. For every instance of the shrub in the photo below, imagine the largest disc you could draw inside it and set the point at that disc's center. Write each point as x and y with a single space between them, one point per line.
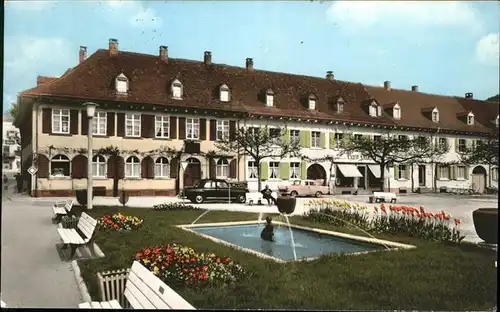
179 265
119 222
175 207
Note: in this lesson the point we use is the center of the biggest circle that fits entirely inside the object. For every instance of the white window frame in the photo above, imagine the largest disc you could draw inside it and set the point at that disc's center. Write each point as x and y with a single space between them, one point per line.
435 115
162 126
252 172
294 138
121 84
312 103
446 171
99 166
462 147
316 139
274 170
192 128
396 112
162 168
222 168
442 142
222 129
135 121
269 99
177 90
402 172
60 158
340 107
470 119
99 123
132 167
338 137
60 117
373 110
494 173
295 170
224 93
461 173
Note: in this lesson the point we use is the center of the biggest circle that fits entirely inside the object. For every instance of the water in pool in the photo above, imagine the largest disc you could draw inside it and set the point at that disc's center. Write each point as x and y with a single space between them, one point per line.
307 243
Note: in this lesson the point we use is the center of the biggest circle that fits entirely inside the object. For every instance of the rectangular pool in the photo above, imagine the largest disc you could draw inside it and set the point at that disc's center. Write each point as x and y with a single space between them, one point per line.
308 244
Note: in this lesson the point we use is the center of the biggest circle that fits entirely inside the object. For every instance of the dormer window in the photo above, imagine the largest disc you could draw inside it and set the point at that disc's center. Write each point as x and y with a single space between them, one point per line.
177 89
224 93
340 106
121 84
374 110
435 115
470 119
396 111
312 102
269 98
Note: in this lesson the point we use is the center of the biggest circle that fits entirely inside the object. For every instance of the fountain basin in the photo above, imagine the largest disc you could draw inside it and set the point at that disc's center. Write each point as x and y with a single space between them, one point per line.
310 243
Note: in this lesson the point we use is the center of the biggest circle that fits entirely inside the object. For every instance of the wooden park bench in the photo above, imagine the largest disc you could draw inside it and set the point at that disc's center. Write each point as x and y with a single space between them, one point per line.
61 209
384 197
143 290
82 235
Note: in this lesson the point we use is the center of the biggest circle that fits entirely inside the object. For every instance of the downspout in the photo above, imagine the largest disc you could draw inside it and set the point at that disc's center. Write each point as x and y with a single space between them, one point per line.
35 148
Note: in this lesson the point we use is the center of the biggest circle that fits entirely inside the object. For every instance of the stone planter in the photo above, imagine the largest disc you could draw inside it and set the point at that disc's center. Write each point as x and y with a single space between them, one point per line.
81 197
286 204
123 198
486 224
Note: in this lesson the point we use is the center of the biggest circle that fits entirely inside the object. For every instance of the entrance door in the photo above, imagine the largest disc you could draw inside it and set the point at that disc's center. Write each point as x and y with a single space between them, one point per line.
421 175
479 179
192 174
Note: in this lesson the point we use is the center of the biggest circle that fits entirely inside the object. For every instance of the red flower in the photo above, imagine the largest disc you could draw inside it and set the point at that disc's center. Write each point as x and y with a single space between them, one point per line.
227 260
376 209
147 251
205 268
138 255
457 221
217 260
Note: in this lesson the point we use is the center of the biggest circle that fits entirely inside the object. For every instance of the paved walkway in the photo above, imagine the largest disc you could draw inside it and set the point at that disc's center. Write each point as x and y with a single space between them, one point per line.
32 273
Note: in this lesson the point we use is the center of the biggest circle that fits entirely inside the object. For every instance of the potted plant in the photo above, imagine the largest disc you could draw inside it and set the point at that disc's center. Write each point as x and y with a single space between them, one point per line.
286 204
123 198
486 224
81 197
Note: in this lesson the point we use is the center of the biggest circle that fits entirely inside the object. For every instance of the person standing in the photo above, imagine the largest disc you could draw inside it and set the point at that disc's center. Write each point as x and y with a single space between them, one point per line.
19 183
5 182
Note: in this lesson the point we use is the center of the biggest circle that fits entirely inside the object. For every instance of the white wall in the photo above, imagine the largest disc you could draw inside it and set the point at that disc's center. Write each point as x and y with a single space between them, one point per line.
11 164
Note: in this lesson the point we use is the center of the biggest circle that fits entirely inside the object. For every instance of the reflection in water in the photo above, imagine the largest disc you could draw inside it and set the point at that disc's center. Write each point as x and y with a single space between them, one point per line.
266 247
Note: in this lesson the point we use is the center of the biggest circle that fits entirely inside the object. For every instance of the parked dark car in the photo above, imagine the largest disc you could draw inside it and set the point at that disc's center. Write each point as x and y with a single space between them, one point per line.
210 189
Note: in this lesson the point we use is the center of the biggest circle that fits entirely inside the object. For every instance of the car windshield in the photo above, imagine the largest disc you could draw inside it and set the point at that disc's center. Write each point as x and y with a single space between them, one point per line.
296 182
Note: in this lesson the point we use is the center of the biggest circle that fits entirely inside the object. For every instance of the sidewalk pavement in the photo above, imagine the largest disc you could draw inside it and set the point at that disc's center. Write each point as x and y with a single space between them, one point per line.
32 273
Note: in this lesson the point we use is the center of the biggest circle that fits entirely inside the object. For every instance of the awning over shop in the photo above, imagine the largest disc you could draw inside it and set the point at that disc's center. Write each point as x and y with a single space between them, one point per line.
349 171
375 169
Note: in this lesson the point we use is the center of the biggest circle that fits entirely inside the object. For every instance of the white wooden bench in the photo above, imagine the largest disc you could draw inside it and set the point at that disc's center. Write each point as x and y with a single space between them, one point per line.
385 197
82 235
61 209
144 290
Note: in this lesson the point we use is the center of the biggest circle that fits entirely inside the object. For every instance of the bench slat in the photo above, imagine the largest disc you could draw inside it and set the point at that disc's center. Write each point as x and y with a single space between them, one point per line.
132 300
84 305
105 305
169 296
115 304
137 291
59 210
70 236
150 294
95 305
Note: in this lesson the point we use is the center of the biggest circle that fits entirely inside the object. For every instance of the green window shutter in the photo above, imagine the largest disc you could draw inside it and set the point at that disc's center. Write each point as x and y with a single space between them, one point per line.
456 145
303 138
264 170
396 172
286 136
332 139
307 135
436 141
323 139
303 170
284 170
453 172
466 172
438 172
408 172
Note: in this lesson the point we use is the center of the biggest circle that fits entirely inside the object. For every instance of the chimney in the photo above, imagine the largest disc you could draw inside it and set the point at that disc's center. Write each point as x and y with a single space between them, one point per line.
113 46
414 88
164 53
207 58
387 85
83 53
329 75
469 95
249 63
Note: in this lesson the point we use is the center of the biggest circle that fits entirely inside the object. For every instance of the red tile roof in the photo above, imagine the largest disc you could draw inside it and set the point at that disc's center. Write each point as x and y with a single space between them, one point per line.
150 80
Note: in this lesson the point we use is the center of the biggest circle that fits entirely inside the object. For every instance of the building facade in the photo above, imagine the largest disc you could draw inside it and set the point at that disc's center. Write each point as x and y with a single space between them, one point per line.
11 149
159 118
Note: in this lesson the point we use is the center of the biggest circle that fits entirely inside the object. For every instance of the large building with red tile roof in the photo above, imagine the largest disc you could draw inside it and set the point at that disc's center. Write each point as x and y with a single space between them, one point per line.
151 103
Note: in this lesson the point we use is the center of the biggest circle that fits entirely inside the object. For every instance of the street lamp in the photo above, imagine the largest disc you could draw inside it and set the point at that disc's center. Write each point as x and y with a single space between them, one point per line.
90 183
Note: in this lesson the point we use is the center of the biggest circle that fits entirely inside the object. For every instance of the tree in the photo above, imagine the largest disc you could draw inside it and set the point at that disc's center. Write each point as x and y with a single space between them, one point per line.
390 150
484 152
259 143
495 98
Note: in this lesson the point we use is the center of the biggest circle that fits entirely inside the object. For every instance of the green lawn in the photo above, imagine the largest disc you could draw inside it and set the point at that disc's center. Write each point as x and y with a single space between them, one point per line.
432 276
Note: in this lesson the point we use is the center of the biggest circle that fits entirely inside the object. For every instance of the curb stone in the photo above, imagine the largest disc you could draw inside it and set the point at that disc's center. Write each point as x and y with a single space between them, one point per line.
82 287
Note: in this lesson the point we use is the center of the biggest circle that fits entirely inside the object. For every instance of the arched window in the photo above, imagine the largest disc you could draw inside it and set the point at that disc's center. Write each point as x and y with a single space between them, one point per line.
121 83
99 169
162 168
224 93
269 98
222 168
132 167
177 89
60 166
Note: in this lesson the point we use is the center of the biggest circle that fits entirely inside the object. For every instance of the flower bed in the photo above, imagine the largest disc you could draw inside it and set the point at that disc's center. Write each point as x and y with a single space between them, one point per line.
175 207
179 265
414 222
119 222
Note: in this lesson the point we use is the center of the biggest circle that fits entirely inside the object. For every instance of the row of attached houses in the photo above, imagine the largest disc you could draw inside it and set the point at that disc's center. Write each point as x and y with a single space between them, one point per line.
156 113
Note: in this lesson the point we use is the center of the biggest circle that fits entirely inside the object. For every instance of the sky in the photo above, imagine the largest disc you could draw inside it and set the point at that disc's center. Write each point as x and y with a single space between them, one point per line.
448 48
